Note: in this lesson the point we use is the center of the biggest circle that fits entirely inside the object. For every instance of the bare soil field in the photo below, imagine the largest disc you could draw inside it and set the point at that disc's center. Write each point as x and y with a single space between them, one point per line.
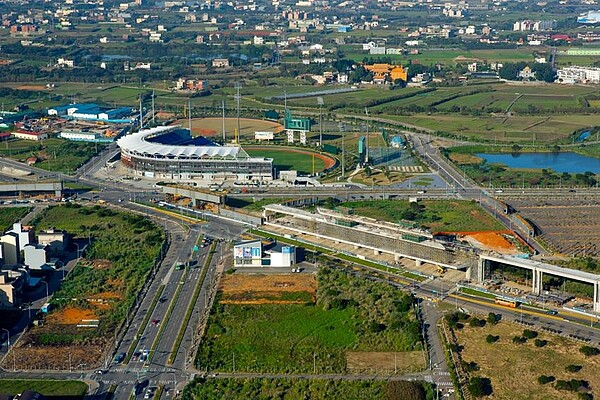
570 226
492 240
515 368
268 289
214 126
385 362
70 316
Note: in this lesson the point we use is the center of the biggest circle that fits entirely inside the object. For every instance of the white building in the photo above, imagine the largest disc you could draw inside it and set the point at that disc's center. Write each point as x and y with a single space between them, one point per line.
25 235
576 74
10 248
251 254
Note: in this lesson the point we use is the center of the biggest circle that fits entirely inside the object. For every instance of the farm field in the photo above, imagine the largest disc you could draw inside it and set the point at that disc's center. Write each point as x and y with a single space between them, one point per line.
437 216
120 252
311 337
298 389
285 158
517 128
70 390
504 360
570 226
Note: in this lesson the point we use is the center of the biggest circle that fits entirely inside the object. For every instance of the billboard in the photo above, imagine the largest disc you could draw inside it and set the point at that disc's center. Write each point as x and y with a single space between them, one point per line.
247 252
262 135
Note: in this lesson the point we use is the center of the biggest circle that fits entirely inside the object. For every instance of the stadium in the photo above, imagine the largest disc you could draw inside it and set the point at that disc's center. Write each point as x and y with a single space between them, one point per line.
170 152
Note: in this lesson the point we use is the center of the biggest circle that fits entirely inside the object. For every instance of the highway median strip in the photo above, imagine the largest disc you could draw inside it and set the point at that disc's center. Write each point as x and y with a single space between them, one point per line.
190 310
143 325
167 317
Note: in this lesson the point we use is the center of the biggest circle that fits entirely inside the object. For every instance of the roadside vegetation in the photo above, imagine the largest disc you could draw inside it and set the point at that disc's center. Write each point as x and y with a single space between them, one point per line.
350 314
314 389
71 390
10 215
120 251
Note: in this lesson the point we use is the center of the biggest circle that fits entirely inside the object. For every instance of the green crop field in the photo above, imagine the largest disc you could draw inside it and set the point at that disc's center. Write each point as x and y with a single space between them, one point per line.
288 159
47 387
350 314
437 216
10 215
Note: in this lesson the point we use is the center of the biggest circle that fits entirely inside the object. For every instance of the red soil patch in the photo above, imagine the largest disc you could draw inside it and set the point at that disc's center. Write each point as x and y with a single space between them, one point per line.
329 162
31 87
70 316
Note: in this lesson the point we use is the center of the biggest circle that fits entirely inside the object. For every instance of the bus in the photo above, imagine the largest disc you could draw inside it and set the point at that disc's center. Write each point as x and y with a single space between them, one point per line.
506 303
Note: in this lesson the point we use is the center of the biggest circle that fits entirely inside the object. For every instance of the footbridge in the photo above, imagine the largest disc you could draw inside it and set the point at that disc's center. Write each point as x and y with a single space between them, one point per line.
540 268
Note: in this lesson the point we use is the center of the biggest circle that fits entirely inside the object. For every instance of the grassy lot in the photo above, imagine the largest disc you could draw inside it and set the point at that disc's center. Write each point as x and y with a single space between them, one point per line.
504 360
288 160
47 387
130 242
438 215
53 154
10 215
297 389
350 314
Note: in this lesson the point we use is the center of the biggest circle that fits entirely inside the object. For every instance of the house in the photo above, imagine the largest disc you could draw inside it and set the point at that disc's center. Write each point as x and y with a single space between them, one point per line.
35 256
399 73
247 254
220 63
10 248
526 73
12 284
28 135
25 234
56 240
255 253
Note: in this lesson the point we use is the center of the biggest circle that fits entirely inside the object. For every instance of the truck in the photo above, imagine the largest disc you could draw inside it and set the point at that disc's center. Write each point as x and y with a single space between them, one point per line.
46 308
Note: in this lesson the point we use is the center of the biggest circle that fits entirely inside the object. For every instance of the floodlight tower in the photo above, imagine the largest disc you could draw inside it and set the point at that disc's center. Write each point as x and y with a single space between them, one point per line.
153 111
320 102
237 99
367 147
342 127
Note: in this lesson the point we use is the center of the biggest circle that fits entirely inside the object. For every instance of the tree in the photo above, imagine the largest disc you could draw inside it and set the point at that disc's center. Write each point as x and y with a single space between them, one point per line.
540 342
492 338
480 386
492 318
519 340
543 379
529 334
589 351
573 368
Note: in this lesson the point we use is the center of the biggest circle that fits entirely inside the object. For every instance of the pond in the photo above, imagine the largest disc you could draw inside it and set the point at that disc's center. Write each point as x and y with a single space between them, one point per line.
558 162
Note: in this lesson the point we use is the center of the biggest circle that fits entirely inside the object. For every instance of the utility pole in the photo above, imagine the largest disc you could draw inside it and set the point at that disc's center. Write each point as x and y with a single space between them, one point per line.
190 115
367 149
141 114
320 102
343 130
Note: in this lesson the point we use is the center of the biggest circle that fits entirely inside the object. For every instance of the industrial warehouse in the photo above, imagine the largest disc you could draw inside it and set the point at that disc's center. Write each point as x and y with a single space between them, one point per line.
170 152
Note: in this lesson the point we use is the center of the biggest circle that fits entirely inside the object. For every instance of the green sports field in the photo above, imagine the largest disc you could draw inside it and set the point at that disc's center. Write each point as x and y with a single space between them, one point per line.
285 159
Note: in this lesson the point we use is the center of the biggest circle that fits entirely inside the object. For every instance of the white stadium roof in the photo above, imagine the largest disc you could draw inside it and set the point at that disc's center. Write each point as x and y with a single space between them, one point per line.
136 143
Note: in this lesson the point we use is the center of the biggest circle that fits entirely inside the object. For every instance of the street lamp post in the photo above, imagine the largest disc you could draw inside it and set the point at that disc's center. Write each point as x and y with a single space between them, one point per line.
46 283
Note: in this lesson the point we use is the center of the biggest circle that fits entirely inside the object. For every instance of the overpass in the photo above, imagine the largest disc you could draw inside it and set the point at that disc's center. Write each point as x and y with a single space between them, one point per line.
540 268
55 187
381 237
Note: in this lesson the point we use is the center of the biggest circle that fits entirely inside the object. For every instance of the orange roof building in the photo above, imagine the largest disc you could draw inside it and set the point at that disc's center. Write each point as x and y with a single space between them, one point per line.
380 71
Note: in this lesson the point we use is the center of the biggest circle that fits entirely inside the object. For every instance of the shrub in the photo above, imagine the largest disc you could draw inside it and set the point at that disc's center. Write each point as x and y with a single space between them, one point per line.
480 386
492 318
585 396
492 338
405 390
519 339
529 334
540 342
543 379
573 385
589 351
470 366
573 368
475 322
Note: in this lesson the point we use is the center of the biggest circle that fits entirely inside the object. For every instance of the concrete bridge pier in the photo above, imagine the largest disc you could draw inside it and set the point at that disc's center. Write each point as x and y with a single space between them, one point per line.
536 282
597 296
418 263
